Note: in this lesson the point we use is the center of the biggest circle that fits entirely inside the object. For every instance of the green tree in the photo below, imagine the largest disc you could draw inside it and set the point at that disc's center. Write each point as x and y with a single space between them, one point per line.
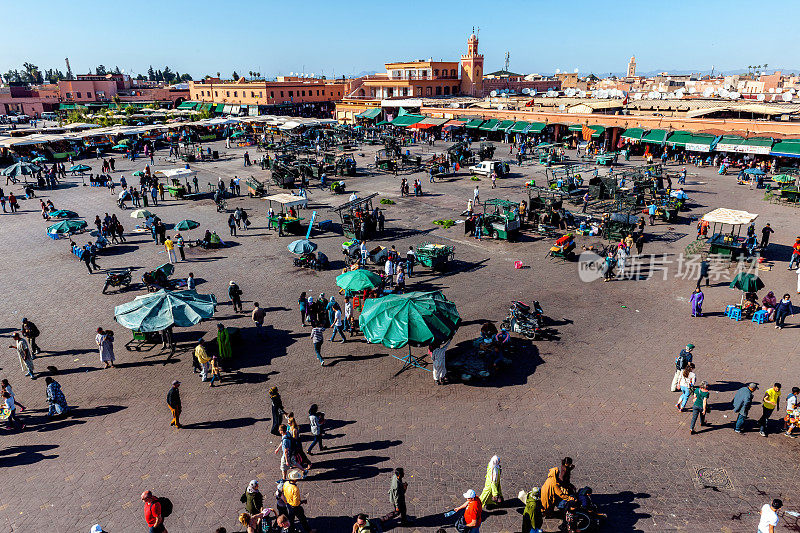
151 74
117 70
235 76
167 74
31 73
186 77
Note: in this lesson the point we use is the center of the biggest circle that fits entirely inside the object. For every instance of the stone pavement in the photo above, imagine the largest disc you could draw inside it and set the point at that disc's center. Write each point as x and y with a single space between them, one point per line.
597 392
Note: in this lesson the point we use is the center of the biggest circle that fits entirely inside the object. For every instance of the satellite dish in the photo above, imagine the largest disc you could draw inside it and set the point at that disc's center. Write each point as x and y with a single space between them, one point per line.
707 92
533 92
501 107
576 70
558 71
561 107
786 97
454 105
791 91
526 91
761 97
692 90
291 74
493 94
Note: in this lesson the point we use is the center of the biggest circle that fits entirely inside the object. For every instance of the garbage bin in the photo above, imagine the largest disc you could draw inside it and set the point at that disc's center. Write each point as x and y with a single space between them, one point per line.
215 154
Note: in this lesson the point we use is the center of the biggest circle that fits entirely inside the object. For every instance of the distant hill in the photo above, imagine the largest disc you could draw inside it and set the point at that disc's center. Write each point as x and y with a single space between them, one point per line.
733 72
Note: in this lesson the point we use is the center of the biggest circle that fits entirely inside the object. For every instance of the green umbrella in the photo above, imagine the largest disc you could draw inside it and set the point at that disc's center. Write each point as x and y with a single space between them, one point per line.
747 282
140 213
80 168
22 168
185 225
416 318
66 226
40 159
63 213
237 134
162 309
358 280
301 246
783 178
120 147
138 173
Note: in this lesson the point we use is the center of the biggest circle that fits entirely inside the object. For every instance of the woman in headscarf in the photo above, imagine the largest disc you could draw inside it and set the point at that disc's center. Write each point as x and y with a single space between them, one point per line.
224 344
252 499
105 342
552 491
277 410
768 304
491 490
696 299
331 308
532 515
56 399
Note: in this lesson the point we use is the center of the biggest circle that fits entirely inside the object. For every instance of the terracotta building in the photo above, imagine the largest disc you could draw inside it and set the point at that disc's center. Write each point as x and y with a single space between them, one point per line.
284 90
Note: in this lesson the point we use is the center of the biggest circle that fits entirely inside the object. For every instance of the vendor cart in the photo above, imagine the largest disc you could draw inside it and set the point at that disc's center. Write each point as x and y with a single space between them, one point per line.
563 248
728 244
607 159
286 203
435 256
157 279
501 219
357 218
256 188
177 180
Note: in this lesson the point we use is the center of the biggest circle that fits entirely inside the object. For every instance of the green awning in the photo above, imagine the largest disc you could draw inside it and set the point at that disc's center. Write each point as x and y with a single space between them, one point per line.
204 107
786 148
576 127
519 127
383 123
536 127
474 123
598 131
633 133
407 120
66 106
219 108
489 125
505 125
655 136
700 142
679 138
187 105
370 113
729 143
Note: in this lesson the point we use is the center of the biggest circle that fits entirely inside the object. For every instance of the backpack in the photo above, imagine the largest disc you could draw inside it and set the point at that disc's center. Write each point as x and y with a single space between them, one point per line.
680 362
166 506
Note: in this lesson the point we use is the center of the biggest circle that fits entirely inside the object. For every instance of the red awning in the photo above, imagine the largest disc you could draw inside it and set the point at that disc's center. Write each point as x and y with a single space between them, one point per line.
455 122
421 126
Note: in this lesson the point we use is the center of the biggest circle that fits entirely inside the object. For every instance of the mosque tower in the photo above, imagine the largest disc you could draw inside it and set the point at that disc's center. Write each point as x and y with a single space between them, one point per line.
632 67
472 69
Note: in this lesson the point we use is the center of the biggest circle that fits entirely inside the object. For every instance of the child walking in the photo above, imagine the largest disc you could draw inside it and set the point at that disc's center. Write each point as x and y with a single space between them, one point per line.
215 372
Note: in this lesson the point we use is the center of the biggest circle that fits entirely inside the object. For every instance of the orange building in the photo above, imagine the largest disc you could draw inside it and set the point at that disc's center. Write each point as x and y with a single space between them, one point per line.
256 92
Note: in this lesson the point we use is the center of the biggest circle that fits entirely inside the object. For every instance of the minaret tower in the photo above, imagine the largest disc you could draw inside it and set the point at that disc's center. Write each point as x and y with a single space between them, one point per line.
472 69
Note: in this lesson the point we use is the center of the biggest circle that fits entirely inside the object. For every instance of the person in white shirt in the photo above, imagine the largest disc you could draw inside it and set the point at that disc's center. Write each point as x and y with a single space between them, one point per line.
686 384
363 250
388 269
769 516
338 324
438 352
25 355
348 315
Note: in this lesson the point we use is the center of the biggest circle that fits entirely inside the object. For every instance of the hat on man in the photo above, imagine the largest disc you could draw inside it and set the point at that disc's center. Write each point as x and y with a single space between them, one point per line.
469 494
753 386
176 382
96 529
690 346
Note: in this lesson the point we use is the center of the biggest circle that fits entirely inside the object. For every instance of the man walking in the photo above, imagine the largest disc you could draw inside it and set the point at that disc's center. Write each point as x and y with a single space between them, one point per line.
770 402
397 495
316 420
769 516
338 325
153 516
765 233
316 340
681 362
25 355
741 404
476 197
30 332
291 493
169 246
258 317
411 260
700 405
235 294
174 403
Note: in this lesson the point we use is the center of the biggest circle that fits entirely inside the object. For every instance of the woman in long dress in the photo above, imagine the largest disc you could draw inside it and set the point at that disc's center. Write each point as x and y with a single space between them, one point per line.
277 410
492 493
224 344
105 343
697 302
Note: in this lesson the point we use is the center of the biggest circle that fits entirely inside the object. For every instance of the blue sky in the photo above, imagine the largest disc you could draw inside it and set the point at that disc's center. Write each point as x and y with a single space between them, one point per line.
351 36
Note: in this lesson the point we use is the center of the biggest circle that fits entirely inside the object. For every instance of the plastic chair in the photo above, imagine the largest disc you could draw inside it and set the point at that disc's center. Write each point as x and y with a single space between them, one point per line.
759 317
735 314
728 309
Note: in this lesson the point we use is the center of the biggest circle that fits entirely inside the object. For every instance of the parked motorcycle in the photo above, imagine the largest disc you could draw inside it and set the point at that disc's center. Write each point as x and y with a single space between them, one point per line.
524 319
117 278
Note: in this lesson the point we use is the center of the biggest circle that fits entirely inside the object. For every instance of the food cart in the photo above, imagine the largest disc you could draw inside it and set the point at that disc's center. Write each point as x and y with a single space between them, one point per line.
174 187
501 219
723 243
357 218
435 256
285 202
256 188
607 159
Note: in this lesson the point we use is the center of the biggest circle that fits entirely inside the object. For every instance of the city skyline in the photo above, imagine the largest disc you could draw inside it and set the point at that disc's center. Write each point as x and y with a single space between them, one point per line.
542 41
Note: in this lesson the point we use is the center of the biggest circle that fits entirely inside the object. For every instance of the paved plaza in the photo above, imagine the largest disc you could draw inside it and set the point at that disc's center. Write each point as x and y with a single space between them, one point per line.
597 391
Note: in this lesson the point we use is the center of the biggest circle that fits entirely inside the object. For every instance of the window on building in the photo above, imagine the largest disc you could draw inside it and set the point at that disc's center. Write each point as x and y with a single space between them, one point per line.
260 95
317 92
446 91
455 89
252 94
235 94
323 92
216 93
281 94
78 95
427 91
438 91
272 94
227 93
436 73
291 94
304 93
452 73
88 95
68 96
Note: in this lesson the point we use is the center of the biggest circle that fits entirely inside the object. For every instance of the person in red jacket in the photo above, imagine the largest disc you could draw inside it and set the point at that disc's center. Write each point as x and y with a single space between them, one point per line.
152 513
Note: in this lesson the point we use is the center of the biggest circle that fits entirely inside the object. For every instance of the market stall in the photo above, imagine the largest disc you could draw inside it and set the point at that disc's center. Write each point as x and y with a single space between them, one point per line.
173 176
721 242
357 219
501 219
288 214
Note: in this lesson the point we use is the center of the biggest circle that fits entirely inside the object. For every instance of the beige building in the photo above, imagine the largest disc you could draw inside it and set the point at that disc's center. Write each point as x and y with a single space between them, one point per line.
284 90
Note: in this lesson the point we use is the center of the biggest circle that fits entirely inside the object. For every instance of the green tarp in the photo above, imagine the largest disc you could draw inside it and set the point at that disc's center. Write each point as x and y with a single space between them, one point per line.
370 113
786 148
519 127
162 309
383 122
655 136
504 125
415 318
679 138
407 120
187 105
576 127
598 131
489 125
536 127
219 108
758 141
474 123
633 133
358 280
67 226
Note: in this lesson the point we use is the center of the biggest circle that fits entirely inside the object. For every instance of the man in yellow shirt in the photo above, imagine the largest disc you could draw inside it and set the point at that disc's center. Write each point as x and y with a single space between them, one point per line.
291 493
169 246
771 401
203 358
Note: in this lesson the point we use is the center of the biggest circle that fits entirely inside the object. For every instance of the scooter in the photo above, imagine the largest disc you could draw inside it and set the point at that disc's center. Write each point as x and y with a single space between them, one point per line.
117 278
